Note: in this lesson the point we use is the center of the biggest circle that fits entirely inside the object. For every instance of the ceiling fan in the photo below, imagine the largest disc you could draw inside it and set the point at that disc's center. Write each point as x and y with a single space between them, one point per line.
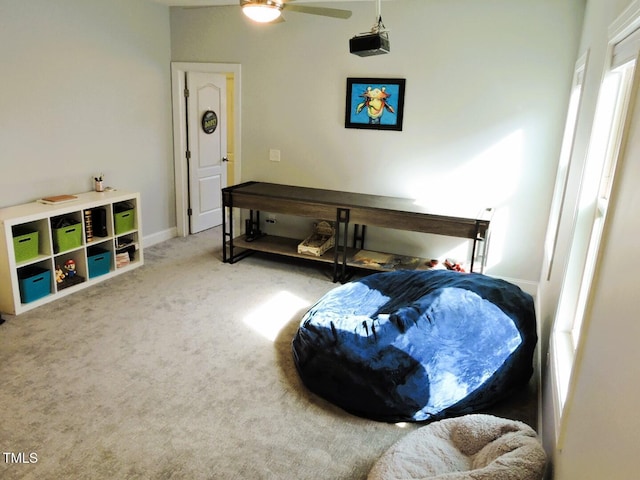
265 11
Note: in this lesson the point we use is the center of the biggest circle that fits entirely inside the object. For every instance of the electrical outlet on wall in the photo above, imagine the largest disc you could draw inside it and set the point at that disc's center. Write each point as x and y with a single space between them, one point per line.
271 218
274 155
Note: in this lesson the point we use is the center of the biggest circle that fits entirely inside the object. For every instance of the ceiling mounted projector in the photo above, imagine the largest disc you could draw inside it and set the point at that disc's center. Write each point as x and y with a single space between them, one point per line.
375 42
368 44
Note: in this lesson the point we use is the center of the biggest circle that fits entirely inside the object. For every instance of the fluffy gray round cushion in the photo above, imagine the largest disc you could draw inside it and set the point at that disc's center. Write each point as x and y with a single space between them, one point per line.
472 447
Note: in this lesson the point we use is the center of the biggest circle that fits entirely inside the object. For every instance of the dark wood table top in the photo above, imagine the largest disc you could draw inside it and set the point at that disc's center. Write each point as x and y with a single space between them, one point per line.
349 200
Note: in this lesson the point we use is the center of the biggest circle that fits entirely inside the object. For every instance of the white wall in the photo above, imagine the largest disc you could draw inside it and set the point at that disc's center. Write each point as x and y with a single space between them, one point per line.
600 432
487 85
85 90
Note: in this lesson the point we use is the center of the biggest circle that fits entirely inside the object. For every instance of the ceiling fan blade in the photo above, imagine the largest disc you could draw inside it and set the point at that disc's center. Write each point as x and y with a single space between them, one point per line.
324 11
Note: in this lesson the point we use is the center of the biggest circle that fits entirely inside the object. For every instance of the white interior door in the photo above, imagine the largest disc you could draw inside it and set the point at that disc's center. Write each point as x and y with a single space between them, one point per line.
207 148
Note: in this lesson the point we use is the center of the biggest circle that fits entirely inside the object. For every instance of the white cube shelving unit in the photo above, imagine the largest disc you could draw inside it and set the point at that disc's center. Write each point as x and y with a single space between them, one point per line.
121 230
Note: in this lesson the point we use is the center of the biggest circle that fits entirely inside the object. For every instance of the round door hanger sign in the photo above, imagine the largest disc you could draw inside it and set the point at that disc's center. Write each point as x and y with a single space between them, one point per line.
209 122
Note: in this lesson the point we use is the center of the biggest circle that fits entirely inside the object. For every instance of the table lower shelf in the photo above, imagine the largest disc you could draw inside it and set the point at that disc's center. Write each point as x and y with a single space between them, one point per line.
356 258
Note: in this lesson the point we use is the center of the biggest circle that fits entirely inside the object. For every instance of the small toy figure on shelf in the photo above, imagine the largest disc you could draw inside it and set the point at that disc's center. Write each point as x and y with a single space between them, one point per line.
60 275
70 267
67 276
453 265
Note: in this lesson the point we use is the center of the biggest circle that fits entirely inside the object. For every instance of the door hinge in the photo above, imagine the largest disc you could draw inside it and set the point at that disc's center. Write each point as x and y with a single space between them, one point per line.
189 212
186 92
188 154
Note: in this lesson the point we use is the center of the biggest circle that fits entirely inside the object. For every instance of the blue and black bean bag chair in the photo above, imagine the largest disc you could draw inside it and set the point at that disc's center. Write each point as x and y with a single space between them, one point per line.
417 345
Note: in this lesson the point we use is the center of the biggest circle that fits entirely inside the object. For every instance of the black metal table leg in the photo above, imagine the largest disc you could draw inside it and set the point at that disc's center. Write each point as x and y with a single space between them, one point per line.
474 252
227 237
359 232
340 250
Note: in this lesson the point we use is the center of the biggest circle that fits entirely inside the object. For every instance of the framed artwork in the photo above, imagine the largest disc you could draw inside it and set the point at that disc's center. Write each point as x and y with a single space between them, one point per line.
375 103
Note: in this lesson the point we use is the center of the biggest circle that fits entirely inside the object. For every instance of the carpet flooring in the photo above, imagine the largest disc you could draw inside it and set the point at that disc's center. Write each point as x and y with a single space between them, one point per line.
181 369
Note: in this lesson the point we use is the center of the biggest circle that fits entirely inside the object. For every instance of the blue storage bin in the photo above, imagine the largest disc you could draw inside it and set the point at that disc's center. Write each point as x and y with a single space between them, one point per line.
98 262
35 283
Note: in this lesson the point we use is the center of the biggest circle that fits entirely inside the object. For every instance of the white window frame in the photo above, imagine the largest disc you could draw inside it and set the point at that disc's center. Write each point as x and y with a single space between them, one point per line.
564 163
604 147
597 178
624 75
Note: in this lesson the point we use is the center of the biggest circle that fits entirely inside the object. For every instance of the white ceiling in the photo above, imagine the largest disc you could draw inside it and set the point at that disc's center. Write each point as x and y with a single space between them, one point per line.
190 3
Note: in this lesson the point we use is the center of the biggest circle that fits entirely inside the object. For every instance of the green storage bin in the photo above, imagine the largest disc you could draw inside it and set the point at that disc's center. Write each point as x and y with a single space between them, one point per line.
125 221
25 244
67 238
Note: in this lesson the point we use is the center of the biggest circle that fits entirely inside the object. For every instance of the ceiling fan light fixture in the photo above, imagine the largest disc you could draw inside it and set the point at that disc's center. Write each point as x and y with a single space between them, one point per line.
262 11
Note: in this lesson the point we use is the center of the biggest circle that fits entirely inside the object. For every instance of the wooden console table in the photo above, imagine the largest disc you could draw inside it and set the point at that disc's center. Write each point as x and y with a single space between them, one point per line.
344 208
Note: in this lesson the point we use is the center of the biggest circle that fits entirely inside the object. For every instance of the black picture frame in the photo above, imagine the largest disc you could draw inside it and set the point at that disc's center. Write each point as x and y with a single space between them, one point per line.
375 103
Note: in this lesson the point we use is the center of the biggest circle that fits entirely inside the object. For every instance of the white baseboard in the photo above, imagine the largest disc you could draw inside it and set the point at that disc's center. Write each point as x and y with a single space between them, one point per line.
159 237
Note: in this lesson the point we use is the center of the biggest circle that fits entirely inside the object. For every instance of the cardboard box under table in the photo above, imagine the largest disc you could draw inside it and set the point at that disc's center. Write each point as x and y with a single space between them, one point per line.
25 244
98 262
35 283
321 240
